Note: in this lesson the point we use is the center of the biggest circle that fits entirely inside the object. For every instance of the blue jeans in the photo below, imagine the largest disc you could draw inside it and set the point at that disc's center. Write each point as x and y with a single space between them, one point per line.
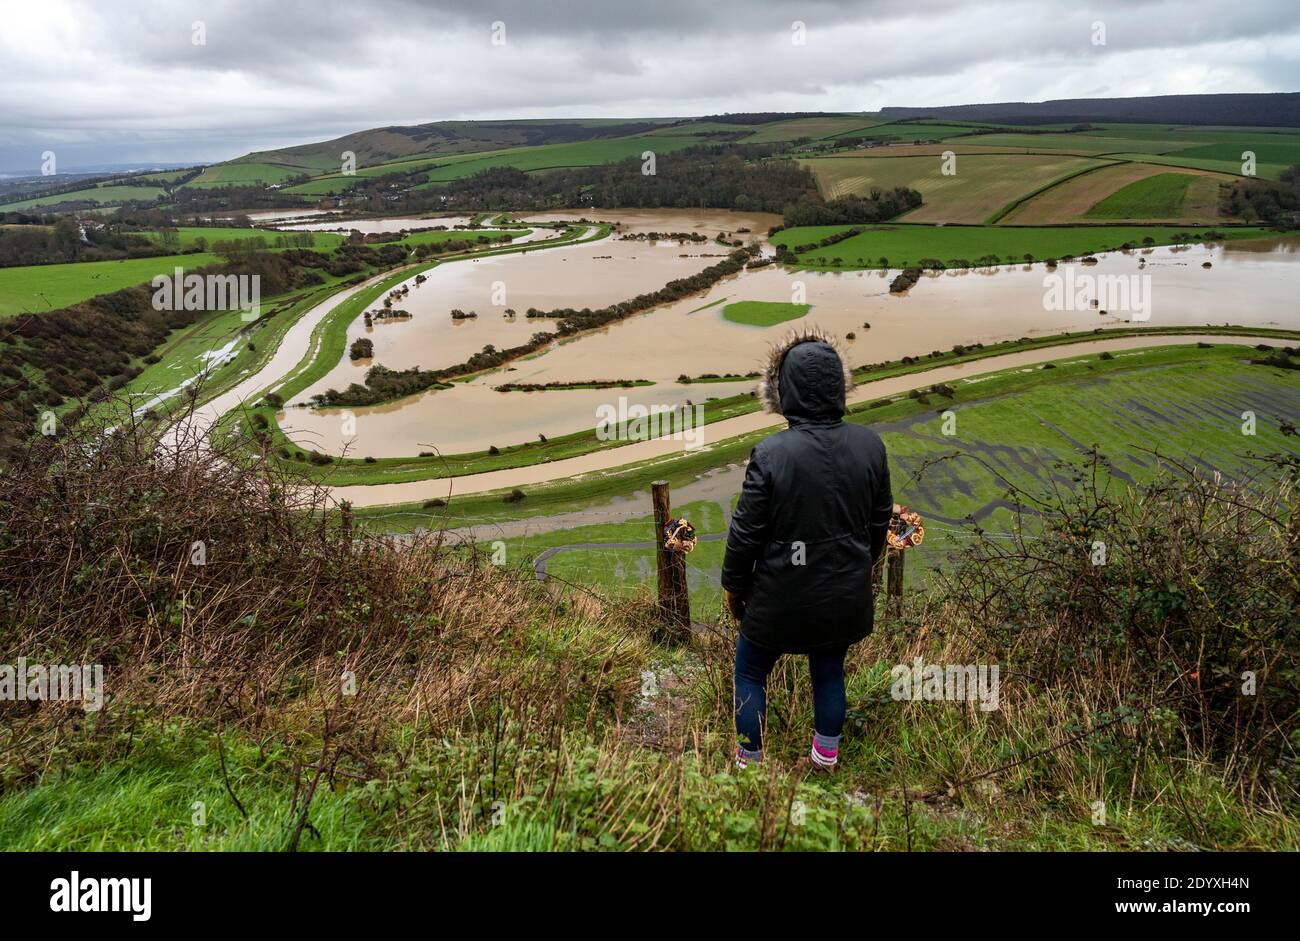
754 663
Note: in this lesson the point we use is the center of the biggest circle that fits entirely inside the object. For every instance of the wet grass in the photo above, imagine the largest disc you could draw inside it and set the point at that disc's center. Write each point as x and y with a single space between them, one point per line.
1011 428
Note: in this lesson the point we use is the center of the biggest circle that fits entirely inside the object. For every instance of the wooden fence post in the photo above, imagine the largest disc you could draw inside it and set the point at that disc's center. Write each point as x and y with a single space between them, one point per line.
895 587
893 564
674 601
345 518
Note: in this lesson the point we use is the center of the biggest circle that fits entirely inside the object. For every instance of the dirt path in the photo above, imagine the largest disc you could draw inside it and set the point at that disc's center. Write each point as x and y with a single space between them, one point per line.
610 459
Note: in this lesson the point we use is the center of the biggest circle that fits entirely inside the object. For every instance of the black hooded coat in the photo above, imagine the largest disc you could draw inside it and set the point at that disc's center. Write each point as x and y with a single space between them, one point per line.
813 511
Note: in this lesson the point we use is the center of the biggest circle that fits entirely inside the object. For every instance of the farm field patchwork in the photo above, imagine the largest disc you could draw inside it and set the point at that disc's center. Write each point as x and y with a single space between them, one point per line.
100 195
981 186
1071 200
818 127
1198 148
1159 196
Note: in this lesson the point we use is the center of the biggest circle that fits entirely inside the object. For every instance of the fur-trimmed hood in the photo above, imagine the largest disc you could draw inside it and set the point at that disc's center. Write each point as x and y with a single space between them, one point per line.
807 377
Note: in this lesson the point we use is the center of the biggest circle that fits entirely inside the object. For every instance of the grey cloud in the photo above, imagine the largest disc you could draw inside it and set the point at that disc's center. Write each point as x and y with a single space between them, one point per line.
112 81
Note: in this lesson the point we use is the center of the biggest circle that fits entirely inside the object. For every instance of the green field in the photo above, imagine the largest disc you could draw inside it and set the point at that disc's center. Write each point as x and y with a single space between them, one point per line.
1267 171
763 313
162 176
242 174
552 156
904 244
188 352
1081 143
100 195
187 237
909 131
819 127
49 287
34 288
441 169
1157 197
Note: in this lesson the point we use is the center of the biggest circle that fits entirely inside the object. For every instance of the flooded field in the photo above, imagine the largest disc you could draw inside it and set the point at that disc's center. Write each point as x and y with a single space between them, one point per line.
372 226
278 215
634 221
586 275
691 337
577 468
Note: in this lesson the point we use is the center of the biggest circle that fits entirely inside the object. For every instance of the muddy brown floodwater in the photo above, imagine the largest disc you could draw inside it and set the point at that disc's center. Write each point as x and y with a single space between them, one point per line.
375 226
1251 284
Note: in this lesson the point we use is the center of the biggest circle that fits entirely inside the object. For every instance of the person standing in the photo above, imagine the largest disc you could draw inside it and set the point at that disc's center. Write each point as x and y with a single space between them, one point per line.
811 521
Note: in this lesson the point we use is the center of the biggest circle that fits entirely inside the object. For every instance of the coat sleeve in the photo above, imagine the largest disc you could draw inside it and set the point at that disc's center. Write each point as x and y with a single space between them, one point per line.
748 532
882 508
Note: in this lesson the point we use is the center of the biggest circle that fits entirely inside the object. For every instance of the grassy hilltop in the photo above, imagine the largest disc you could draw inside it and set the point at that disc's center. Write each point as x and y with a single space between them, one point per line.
310 687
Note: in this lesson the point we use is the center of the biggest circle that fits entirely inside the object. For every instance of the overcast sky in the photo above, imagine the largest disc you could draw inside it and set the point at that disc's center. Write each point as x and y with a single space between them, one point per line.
112 81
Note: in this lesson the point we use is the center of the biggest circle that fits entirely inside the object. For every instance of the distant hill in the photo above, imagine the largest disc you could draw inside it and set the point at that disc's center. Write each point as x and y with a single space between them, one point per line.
383 144
1281 109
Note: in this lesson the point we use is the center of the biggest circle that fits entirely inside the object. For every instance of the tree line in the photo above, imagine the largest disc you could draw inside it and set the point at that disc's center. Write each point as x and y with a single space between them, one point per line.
1273 202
